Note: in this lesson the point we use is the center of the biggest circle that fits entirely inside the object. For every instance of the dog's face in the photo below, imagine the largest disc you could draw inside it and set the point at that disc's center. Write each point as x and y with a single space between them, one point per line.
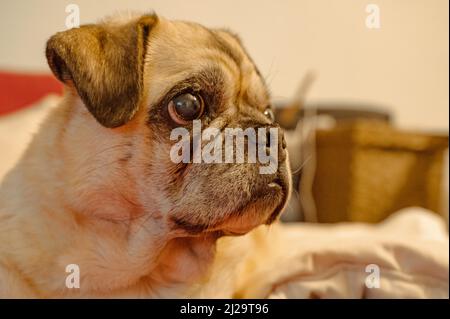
140 80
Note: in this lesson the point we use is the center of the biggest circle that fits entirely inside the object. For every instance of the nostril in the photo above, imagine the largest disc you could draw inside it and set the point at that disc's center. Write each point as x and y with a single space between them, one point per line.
283 141
268 139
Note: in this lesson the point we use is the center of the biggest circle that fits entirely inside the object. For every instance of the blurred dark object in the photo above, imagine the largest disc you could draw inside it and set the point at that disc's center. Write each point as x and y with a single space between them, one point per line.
366 170
350 164
288 115
362 167
349 112
301 145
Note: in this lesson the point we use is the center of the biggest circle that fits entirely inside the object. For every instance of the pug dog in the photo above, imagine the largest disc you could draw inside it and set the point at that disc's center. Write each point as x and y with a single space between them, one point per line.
96 191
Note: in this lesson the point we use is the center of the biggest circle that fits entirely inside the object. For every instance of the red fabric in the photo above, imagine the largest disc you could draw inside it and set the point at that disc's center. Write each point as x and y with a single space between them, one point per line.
20 90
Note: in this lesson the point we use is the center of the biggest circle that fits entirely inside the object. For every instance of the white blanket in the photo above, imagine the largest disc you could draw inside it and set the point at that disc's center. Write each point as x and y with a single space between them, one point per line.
406 256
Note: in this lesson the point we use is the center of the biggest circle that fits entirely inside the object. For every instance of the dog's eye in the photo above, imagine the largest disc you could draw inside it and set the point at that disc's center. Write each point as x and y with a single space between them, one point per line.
269 114
185 107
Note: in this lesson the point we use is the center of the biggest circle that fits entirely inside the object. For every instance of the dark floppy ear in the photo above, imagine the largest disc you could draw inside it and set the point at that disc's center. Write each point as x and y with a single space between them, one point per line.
104 62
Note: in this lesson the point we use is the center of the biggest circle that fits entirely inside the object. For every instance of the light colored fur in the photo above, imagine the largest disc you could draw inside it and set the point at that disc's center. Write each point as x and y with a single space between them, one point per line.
72 200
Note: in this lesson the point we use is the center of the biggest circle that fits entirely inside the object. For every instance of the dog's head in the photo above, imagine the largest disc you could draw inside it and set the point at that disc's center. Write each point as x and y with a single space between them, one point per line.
133 84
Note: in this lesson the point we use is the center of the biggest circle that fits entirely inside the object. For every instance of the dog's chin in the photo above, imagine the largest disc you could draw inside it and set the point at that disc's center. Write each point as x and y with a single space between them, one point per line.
265 208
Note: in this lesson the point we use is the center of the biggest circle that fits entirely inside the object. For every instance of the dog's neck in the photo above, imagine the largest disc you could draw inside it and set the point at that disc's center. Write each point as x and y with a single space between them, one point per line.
119 246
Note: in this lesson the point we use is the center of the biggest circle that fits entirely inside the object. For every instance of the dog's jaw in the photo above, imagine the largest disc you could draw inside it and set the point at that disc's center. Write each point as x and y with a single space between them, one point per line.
124 250
97 200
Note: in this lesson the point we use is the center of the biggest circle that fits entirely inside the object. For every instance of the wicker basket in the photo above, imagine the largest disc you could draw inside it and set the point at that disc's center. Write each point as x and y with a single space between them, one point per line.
367 170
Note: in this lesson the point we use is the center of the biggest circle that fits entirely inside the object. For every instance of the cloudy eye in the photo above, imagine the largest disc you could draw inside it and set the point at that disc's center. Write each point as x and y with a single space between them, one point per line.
185 107
269 114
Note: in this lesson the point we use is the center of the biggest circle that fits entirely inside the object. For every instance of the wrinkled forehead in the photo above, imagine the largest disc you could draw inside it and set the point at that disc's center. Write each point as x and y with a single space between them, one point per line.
177 50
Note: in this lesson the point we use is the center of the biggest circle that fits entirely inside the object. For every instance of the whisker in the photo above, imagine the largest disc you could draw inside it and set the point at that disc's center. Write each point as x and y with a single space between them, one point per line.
302 165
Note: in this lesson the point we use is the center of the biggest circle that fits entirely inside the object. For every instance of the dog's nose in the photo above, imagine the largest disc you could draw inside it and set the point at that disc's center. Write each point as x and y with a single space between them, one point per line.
283 140
282 153
268 137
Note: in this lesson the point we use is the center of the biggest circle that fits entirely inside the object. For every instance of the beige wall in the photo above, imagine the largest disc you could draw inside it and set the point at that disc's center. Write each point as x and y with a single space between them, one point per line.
403 65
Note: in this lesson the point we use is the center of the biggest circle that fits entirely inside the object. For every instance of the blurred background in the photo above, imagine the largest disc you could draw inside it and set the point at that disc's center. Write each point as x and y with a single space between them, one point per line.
365 103
402 65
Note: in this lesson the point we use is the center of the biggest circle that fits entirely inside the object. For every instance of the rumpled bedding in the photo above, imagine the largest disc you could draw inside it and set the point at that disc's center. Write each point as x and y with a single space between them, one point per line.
406 256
